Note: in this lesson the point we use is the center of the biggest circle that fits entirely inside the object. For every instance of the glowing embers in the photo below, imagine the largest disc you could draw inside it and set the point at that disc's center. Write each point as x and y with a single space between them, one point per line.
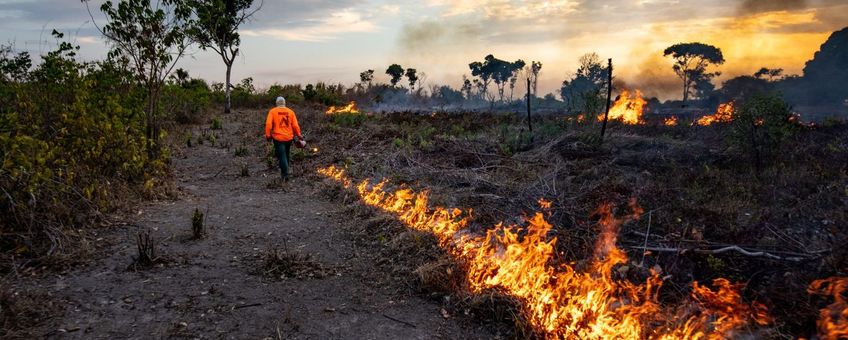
833 319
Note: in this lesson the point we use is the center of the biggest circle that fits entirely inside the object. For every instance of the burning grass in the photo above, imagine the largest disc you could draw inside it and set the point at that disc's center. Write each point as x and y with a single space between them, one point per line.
350 108
724 114
701 195
557 300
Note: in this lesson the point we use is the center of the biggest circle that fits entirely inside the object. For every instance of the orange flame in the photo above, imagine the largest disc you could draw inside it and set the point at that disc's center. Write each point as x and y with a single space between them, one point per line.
833 319
557 299
349 108
723 114
628 108
671 121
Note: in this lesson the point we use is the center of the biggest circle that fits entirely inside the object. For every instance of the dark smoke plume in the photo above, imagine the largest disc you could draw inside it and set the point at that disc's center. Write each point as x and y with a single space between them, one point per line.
748 7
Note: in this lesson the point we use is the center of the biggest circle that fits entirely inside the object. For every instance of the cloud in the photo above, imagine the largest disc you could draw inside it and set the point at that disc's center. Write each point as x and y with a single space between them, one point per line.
318 30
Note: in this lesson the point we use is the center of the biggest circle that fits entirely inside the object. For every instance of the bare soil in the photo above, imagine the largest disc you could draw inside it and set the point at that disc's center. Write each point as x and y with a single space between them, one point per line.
219 286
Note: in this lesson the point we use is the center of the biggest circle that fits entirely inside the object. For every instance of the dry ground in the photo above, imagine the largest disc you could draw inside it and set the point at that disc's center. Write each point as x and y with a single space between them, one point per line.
214 287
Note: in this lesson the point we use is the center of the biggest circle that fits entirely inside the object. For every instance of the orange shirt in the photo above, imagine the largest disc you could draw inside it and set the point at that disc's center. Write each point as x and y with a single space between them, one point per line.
281 124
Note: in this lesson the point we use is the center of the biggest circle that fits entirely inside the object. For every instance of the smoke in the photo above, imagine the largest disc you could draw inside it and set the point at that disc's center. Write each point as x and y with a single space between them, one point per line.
436 37
748 7
655 77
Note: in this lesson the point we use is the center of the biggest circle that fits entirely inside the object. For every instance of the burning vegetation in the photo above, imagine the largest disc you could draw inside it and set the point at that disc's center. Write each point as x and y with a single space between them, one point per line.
350 108
628 108
558 299
724 114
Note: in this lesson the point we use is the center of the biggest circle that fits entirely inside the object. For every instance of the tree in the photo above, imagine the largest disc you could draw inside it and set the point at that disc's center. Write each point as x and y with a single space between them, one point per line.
771 73
366 77
466 87
584 92
495 70
483 72
412 77
535 69
742 88
14 67
396 72
150 40
216 28
691 61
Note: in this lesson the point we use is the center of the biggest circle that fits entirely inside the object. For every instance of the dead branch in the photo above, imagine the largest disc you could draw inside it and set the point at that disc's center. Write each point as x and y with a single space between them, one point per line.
400 321
794 257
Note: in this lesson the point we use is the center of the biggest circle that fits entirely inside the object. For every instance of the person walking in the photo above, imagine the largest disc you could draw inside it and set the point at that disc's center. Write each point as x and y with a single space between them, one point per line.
281 127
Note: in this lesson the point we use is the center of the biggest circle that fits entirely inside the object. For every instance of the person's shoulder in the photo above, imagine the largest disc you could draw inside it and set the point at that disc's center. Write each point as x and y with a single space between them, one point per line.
289 110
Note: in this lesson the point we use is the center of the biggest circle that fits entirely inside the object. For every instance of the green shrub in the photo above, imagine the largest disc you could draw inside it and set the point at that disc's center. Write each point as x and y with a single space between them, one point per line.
216 123
761 126
398 143
348 119
72 143
186 101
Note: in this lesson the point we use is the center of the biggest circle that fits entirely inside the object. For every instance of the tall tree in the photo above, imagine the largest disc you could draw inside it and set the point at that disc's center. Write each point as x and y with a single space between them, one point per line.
535 69
396 72
150 39
483 72
691 61
411 75
216 28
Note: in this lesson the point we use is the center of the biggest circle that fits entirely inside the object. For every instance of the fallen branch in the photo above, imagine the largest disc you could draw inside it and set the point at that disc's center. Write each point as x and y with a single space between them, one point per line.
248 305
401 321
795 257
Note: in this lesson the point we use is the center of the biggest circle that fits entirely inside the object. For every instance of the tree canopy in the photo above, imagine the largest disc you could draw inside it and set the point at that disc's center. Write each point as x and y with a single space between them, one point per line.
216 27
690 64
396 72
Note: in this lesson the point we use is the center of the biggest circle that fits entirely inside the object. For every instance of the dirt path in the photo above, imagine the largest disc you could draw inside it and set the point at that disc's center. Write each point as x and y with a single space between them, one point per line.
209 289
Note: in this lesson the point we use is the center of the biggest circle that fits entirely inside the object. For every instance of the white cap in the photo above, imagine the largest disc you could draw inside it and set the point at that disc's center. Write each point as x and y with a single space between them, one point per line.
281 101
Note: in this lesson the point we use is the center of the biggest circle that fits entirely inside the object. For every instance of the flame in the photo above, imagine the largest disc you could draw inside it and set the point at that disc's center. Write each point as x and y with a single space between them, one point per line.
723 114
349 108
671 121
628 108
833 319
559 300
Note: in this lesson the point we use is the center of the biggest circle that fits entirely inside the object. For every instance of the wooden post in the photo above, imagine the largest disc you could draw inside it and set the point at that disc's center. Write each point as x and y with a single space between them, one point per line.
529 119
609 99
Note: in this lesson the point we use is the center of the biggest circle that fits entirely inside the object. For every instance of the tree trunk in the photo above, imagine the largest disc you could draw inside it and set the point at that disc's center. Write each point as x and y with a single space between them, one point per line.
685 89
609 100
227 91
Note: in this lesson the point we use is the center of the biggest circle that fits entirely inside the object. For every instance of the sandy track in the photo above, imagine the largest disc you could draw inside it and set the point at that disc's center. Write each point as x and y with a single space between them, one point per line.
208 288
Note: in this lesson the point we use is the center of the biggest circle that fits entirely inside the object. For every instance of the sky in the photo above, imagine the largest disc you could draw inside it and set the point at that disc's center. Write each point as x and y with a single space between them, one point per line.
334 40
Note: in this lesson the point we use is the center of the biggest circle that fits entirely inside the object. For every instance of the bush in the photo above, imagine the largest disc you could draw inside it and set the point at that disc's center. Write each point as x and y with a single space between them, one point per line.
72 140
215 123
761 126
348 119
187 101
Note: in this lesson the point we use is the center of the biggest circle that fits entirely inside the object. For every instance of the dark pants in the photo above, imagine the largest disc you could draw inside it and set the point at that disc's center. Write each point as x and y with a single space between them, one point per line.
282 150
